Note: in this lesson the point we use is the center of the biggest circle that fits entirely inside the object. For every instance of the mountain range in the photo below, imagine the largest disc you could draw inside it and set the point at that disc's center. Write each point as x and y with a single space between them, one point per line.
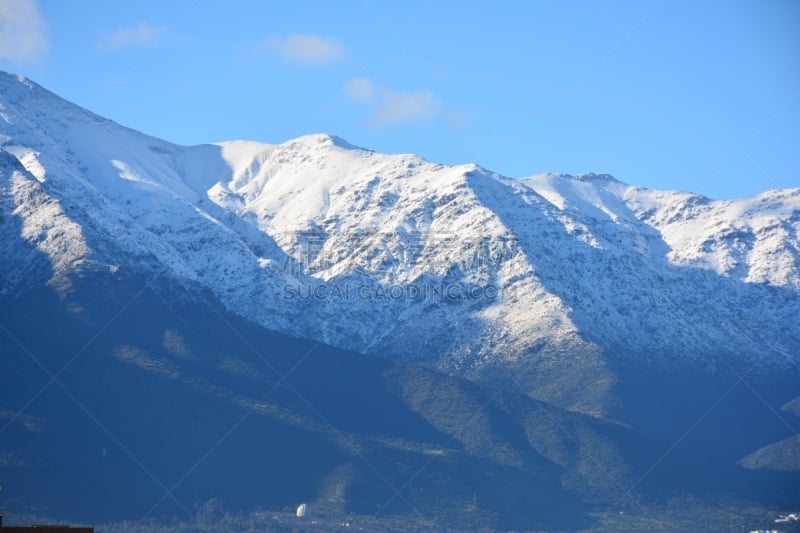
565 337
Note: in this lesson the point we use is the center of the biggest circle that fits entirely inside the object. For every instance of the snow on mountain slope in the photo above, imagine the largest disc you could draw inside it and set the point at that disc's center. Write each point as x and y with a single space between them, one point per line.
535 283
135 200
673 279
752 239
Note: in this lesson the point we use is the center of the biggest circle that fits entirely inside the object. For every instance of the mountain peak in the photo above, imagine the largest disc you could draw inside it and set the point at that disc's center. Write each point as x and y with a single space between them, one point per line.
325 140
7 78
17 86
591 176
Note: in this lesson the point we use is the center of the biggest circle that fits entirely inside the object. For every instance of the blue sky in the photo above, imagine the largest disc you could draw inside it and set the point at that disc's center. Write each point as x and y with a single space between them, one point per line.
699 96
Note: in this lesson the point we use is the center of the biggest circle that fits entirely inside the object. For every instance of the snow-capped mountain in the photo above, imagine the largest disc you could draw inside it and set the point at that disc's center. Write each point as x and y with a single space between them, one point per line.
539 283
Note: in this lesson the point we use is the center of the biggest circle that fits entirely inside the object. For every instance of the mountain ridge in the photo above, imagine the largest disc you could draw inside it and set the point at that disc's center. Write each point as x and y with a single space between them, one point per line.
558 265
584 333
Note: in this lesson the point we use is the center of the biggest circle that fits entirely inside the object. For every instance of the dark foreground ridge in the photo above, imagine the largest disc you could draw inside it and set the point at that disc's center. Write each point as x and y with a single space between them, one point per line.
192 407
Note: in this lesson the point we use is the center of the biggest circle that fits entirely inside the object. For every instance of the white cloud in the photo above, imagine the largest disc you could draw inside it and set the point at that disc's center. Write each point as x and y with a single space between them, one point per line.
305 48
143 35
397 107
360 90
22 31
391 106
